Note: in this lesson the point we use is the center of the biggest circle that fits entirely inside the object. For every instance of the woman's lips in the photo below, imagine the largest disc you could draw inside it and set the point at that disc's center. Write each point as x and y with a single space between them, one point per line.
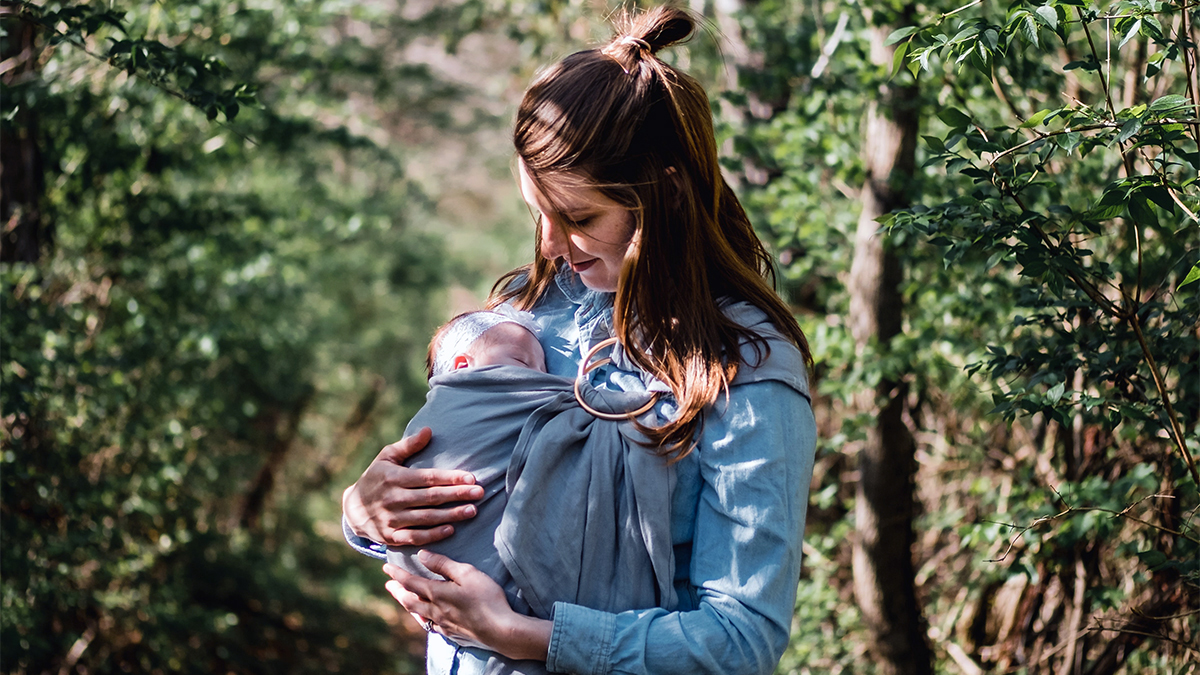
580 267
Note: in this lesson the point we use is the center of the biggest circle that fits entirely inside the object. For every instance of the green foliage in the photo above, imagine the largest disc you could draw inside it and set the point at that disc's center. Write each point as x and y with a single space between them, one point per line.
1048 321
228 318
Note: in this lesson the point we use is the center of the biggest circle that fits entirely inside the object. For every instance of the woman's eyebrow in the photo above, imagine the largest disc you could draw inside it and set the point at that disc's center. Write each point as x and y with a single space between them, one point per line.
577 213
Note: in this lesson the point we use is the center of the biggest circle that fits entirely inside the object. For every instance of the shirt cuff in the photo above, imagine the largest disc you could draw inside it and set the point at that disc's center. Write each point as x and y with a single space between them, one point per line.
363 546
581 640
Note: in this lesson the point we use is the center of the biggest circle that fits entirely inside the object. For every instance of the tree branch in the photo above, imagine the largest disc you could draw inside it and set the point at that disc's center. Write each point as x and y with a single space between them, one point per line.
1088 127
1176 431
1095 55
1083 509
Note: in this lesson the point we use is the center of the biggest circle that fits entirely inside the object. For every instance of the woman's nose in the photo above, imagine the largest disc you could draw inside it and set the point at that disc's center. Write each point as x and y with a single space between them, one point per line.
553 240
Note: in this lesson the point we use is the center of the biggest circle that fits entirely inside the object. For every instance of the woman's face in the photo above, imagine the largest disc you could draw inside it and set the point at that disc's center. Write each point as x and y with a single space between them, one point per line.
594 234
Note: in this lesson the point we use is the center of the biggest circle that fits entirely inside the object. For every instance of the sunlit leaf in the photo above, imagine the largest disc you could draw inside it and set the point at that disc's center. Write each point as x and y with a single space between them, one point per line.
901 33
1192 276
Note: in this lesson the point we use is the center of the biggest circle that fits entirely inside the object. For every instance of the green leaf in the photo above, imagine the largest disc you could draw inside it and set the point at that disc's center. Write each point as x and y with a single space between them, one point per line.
1128 130
1068 141
898 58
1137 25
990 39
1056 393
1029 29
1168 103
1191 277
1160 196
954 118
1192 158
1140 211
1089 64
1048 16
914 65
900 33
1034 119
1152 559
935 144
1151 27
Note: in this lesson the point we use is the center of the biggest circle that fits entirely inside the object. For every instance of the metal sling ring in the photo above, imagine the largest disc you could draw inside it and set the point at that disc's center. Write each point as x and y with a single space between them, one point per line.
586 366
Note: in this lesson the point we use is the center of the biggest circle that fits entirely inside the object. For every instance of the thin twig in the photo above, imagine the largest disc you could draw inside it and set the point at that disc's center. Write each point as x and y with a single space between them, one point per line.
1176 431
1013 541
1084 285
1068 510
1088 127
154 82
1175 196
951 13
1157 636
1189 68
1103 81
1171 617
1137 240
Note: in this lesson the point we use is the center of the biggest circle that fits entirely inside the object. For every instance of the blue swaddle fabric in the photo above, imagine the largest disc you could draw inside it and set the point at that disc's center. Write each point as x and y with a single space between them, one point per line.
588 508
573 509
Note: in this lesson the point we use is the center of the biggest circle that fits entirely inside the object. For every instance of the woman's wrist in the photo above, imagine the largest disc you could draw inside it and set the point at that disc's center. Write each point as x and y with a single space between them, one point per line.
524 637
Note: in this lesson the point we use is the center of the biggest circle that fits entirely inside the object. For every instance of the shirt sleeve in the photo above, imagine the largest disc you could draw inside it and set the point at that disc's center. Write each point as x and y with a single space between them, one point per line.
756 460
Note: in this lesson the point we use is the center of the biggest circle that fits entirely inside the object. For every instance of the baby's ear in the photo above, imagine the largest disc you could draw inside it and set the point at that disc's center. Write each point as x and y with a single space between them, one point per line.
461 361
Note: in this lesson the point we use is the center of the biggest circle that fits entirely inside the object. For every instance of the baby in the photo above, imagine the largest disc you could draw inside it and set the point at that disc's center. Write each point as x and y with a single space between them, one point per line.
500 337
573 503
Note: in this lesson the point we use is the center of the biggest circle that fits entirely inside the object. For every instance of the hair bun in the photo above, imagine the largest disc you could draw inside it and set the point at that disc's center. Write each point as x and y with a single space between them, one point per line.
653 29
663 27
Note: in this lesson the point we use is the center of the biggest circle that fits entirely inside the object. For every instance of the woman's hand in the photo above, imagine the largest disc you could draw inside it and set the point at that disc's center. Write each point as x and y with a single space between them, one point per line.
393 504
469 608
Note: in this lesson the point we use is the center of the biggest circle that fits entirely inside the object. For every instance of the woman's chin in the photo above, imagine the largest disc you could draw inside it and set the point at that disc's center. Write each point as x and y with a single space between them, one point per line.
601 285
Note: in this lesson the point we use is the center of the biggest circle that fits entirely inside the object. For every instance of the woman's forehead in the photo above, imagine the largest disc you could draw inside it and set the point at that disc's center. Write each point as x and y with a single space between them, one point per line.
568 192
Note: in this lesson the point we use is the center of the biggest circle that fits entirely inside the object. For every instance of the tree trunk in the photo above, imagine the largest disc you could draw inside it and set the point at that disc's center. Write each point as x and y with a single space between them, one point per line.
883 565
22 235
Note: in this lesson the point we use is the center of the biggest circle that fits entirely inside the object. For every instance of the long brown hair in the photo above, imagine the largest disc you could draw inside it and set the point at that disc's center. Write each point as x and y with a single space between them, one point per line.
641 132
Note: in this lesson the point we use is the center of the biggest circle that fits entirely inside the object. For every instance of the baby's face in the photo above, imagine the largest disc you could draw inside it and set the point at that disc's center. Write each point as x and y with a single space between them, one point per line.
513 346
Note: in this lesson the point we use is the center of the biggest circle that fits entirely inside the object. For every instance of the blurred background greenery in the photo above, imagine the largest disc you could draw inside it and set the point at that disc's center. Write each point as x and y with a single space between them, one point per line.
229 227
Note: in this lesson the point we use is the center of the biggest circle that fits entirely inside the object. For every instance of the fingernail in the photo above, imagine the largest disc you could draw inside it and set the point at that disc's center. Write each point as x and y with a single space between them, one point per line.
470 511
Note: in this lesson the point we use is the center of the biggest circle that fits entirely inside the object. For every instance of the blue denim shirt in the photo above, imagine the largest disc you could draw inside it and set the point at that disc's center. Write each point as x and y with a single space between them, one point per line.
737 520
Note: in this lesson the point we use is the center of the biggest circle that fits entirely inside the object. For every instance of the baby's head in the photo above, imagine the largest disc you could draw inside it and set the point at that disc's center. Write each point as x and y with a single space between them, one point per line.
500 337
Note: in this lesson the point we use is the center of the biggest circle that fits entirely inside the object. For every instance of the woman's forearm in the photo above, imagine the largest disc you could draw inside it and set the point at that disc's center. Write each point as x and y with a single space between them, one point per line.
524 637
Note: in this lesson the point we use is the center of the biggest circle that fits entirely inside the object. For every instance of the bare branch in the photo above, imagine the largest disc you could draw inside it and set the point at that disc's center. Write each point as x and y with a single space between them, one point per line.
1068 510
1157 636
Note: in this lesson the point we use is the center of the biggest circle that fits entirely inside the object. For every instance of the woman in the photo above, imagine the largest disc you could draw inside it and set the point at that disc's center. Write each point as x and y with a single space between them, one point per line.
639 237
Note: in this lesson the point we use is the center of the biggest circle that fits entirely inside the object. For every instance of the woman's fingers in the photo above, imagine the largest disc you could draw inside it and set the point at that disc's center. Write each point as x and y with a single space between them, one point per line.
410 601
389 498
430 478
406 447
430 517
410 590
418 536
415 497
468 607
440 564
